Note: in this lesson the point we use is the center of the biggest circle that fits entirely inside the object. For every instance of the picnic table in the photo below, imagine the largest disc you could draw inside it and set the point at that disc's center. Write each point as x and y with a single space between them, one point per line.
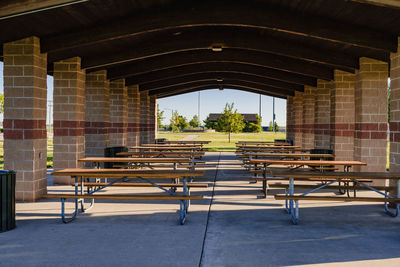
123 176
285 155
139 162
167 148
271 150
356 177
315 165
187 142
163 154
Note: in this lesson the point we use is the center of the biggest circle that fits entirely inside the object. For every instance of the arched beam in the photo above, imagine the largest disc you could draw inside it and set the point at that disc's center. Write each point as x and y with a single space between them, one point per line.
227 55
225 37
221 67
255 86
216 86
211 13
154 85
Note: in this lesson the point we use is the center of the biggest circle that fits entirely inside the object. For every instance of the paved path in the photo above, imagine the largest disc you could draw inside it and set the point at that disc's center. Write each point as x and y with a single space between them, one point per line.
190 137
232 226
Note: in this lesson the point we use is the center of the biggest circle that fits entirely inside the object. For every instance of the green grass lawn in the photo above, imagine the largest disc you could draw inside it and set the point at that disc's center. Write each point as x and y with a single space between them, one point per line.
219 141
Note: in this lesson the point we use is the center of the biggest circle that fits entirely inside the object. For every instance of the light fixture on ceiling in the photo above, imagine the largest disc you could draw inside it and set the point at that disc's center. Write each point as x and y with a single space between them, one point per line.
220 80
216 48
221 87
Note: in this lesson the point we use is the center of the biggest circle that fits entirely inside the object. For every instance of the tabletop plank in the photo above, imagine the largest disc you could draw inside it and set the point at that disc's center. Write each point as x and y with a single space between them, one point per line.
128 173
309 162
336 175
135 160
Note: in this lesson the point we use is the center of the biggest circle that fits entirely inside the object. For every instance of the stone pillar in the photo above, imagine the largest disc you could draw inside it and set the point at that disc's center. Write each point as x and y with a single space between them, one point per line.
394 158
308 117
298 118
370 143
68 116
144 117
25 95
289 118
152 119
342 115
97 115
133 104
118 113
323 115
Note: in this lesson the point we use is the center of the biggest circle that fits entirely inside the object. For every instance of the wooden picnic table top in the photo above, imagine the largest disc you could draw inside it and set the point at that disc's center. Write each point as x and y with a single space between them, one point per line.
162 153
128 173
336 175
289 155
167 148
309 162
187 142
170 145
249 150
266 146
135 160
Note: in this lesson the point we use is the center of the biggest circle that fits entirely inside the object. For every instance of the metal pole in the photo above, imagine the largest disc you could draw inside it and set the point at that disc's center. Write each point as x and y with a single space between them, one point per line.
273 114
198 107
259 112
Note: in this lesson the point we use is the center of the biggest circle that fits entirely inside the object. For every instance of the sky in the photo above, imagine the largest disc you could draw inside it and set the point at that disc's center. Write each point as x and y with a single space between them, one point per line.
211 101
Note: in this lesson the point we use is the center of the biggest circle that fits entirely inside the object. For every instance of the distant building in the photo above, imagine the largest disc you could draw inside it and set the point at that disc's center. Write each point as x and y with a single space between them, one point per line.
250 117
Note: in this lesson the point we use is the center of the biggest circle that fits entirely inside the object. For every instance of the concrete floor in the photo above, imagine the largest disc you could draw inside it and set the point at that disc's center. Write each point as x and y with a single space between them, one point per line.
231 227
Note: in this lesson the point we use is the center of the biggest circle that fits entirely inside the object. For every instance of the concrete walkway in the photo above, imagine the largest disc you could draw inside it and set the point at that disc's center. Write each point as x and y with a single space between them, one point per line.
232 226
190 137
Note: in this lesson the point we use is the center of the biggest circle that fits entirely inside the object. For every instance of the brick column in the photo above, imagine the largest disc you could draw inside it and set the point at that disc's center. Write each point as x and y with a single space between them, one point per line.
370 143
152 119
133 110
118 113
308 117
144 117
323 115
25 139
289 118
298 118
394 158
69 116
342 115
97 115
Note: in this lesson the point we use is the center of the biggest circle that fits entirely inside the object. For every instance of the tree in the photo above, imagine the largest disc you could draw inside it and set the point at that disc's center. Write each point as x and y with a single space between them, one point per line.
253 127
174 122
160 117
1 103
270 126
210 124
230 121
183 124
194 122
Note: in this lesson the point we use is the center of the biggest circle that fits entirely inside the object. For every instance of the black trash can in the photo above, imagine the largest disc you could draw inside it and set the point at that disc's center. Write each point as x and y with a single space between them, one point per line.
161 140
7 200
320 151
111 152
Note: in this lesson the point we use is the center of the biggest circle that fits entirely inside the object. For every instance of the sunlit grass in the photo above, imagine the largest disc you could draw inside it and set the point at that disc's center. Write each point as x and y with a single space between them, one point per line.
219 141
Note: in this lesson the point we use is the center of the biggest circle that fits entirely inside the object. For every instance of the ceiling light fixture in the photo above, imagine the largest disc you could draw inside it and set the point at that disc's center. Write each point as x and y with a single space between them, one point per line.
221 87
216 48
220 80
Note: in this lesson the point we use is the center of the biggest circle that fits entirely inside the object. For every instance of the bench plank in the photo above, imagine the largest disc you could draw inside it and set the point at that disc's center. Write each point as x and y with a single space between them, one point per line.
145 185
126 197
326 198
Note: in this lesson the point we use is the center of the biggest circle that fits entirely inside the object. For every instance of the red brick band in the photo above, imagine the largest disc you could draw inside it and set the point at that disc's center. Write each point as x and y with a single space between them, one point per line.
322 129
96 127
133 127
24 129
342 129
69 128
394 131
118 128
371 130
308 128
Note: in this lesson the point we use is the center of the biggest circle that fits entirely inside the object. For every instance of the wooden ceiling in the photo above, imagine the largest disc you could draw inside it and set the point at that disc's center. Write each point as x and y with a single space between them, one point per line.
272 47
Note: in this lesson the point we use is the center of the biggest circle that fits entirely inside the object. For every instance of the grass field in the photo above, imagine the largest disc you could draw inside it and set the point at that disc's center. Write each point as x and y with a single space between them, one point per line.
219 141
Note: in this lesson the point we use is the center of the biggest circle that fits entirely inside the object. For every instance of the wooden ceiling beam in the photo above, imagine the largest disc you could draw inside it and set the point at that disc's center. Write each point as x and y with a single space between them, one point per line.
215 86
248 57
154 85
221 67
254 86
206 39
211 13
